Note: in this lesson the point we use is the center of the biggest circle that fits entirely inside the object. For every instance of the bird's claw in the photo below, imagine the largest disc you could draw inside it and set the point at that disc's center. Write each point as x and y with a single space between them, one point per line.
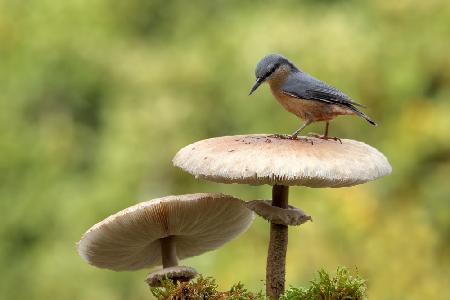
325 137
281 136
302 138
291 137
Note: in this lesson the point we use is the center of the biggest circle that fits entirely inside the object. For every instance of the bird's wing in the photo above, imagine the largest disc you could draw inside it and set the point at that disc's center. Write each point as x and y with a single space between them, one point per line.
304 86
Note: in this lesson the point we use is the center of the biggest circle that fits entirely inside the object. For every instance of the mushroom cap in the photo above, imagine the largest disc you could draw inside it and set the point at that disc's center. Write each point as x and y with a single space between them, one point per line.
268 159
129 239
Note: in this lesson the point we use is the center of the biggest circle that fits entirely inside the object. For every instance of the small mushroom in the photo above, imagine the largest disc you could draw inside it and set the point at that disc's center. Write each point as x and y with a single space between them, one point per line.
163 230
177 273
281 162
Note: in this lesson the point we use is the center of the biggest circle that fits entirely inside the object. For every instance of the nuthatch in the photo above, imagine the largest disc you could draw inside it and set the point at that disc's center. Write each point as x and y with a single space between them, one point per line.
303 95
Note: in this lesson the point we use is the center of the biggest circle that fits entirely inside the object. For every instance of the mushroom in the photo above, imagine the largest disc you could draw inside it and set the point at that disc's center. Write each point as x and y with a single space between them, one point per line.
280 162
163 230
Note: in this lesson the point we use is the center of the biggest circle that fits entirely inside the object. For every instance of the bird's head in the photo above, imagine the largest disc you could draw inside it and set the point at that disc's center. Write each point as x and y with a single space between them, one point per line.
269 67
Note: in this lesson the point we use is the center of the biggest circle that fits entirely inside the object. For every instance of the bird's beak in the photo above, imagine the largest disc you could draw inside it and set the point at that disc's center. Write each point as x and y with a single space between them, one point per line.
258 82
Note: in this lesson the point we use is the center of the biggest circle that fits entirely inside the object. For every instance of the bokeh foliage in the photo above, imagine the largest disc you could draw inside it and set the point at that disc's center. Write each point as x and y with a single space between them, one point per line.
97 96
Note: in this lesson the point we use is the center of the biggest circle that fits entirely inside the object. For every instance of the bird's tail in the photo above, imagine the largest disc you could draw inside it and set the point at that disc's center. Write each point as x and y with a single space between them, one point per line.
363 115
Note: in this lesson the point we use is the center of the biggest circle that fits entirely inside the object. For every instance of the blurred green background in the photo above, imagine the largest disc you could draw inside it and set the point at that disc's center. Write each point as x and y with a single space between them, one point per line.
97 96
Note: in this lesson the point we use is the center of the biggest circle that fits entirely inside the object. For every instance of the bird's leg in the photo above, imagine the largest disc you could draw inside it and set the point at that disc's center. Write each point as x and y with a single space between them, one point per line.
295 134
325 136
326 129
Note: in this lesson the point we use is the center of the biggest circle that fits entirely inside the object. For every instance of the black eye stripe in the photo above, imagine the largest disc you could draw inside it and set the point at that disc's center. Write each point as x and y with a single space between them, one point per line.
274 68
271 71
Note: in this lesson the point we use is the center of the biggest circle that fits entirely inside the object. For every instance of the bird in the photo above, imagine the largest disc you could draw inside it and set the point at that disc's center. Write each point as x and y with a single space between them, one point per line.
307 97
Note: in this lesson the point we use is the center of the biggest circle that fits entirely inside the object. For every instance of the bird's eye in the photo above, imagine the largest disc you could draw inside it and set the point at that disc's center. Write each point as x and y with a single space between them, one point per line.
272 69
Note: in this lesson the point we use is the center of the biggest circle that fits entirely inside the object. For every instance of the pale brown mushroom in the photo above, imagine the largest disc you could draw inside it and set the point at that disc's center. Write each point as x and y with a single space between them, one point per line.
163 230
280 162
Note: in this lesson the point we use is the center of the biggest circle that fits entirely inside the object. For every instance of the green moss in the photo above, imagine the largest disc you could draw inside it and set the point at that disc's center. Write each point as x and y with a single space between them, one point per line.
202 288
341 287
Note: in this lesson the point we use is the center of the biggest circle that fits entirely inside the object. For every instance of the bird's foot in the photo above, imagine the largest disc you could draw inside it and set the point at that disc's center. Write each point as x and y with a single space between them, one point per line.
291 137
280 136
325 137
301 138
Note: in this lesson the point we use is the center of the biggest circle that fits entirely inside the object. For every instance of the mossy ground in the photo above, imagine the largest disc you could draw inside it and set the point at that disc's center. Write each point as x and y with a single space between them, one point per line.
343 286
202 288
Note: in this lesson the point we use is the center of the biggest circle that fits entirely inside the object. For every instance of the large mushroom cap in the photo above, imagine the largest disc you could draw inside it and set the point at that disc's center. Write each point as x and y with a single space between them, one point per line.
267 159
129 239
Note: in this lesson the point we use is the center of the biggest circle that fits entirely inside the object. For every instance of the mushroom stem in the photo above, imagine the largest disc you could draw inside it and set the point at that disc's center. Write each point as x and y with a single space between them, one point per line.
169 252
276 257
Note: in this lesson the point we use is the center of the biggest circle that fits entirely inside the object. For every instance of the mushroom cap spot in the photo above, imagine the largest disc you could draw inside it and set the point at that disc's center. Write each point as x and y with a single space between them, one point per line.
129 239
267 159
179 273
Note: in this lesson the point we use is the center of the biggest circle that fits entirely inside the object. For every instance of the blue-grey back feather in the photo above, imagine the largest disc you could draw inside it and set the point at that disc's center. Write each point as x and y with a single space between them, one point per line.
307 87
304 86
